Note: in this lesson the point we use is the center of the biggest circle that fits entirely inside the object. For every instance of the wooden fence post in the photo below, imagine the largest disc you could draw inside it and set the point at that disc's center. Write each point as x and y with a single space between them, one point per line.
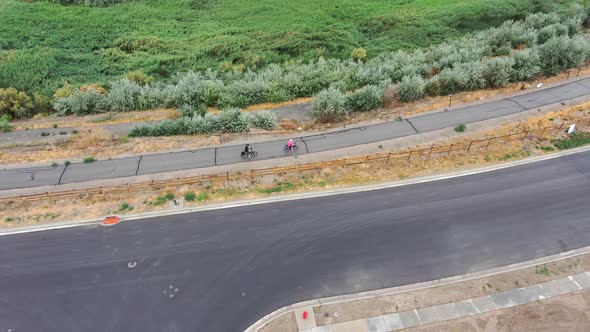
430 152
388 155
559 129
227 176
469 147
579 69
251 174
489 141
450 148
526 133
128 189
543 131
410 155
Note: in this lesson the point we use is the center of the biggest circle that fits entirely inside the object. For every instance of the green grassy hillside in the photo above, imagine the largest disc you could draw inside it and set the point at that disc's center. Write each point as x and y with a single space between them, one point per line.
43 44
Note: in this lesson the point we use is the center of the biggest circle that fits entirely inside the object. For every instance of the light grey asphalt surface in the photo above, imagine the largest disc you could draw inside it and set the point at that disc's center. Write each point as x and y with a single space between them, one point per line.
233 266
21 178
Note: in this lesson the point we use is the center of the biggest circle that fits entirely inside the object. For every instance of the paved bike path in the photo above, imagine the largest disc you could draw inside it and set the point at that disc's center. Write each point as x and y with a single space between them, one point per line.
224 155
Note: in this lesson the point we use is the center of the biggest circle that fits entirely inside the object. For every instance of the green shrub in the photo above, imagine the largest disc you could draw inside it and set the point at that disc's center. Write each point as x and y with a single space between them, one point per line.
577 139
15 103
5 125
80 103
189 196
452 81
262 120
365 99
359 54
202 196
89 3
169 196
124 96
139 77
561 53
89 160
497 71
460 128
329 105
411 88
526 65
232 120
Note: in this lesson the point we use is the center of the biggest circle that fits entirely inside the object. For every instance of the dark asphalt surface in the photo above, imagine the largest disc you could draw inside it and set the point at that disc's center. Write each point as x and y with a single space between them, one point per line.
233 266
166 162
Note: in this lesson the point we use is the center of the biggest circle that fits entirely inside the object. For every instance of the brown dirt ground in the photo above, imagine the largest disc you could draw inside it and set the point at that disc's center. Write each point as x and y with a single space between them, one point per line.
96 120
452 292
567 313
285 323
353 310
84 206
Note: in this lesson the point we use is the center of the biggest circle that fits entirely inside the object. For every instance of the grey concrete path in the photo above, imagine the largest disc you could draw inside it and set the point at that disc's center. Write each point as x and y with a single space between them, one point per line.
226 155
461 309
233 266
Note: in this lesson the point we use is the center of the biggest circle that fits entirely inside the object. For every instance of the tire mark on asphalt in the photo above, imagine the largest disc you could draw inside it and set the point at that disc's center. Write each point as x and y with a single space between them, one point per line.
62 173
305 143
411 124
138 163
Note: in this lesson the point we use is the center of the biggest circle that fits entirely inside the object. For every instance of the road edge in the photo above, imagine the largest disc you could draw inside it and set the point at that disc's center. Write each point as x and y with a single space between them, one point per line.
299 196
414 287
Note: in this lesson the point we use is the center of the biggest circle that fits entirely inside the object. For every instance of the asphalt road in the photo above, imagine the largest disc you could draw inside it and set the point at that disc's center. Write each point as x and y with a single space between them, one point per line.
233 266
224 155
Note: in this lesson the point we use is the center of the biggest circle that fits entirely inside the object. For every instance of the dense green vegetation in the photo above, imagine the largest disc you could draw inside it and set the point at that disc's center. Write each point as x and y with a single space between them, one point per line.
43 43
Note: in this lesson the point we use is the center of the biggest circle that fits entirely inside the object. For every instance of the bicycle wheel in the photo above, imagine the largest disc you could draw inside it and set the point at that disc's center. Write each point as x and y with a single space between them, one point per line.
243 154
254 154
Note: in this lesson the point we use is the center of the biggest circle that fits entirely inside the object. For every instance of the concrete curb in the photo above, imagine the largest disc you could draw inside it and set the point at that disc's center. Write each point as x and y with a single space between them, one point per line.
414 287
298 196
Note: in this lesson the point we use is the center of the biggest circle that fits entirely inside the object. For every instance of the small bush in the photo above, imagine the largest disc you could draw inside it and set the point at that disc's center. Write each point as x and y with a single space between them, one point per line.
460 128
452 81
5 125
202 197
54 165
577 139
497 71
232 120
89 160
411 88
359 54
67 162
139 77
526 65
262 120
329 105
561 53
169 196
189 196
365 99
15 103
80 103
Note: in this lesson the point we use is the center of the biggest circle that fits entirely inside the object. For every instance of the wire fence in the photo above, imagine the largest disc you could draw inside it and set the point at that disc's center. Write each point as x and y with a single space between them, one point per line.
384 157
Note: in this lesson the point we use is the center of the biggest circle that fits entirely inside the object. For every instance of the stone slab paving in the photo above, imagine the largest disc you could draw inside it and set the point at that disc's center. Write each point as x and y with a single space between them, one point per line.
464 308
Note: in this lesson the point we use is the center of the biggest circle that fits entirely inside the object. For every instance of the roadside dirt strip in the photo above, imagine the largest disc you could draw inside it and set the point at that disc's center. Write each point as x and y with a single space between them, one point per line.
464 297
15 178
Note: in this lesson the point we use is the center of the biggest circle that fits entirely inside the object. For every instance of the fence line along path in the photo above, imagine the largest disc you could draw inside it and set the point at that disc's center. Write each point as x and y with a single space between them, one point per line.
386 157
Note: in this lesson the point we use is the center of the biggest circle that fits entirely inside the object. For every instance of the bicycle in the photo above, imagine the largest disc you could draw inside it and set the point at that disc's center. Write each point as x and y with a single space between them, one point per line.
246 155
289 149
